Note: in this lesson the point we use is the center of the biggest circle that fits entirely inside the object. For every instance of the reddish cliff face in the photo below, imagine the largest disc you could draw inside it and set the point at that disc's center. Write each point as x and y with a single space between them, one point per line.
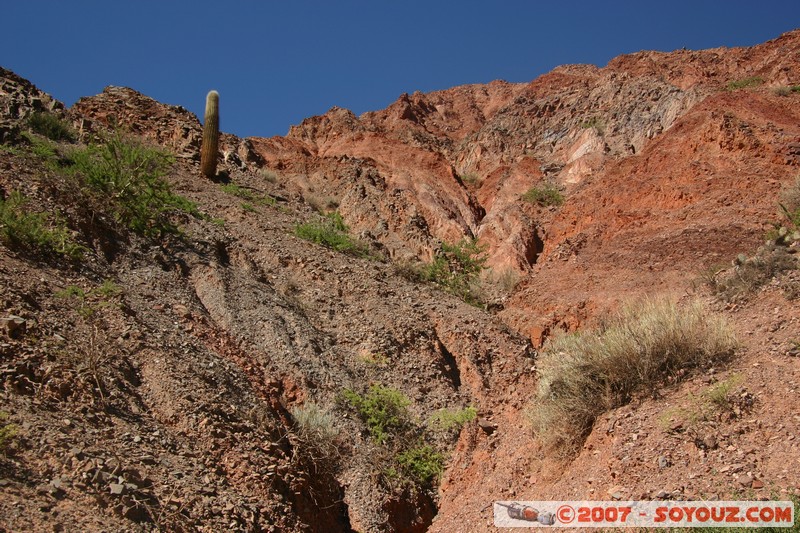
668 162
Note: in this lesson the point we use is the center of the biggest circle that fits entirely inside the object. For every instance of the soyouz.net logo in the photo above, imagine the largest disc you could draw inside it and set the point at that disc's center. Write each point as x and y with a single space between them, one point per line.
643 514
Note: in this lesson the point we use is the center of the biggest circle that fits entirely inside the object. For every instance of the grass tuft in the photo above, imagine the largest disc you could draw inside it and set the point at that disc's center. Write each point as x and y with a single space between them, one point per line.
21 228
584 374
546 195
745 83
331 231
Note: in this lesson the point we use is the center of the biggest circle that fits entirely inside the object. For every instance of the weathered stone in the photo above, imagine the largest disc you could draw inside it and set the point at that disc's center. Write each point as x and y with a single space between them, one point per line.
487 426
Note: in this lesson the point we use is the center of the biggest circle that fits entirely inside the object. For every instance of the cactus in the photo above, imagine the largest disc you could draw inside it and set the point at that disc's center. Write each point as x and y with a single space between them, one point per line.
210 148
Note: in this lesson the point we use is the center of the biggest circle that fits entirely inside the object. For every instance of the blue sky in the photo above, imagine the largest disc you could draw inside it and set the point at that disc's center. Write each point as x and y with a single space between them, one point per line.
275 63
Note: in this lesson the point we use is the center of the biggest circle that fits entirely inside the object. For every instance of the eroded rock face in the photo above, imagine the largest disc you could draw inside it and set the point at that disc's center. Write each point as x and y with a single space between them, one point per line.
659 162
19 99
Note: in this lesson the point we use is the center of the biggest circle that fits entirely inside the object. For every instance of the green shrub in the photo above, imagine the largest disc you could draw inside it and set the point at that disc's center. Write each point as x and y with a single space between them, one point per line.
752 81
131 176
246 194
43 148
331 231
384 410
545 196
7 432
92 301
584 374
423 464
448 419
456 269
595 122
108 289
22 228
51 126
470 178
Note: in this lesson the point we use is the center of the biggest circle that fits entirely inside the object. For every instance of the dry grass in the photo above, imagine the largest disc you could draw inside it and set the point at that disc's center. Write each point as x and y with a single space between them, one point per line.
584 374
739 283
318 435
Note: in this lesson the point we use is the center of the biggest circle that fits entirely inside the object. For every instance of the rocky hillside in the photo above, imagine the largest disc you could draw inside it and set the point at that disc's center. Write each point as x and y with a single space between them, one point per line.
208 369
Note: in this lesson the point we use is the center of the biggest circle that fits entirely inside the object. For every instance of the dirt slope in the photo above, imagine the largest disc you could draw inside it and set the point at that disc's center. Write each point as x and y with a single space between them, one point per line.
168 402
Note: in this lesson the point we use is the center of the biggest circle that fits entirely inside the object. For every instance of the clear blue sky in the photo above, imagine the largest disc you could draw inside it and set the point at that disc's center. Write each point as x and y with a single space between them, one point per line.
275 63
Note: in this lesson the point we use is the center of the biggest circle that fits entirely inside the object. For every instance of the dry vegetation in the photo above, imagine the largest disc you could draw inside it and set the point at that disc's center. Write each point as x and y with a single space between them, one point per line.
584 374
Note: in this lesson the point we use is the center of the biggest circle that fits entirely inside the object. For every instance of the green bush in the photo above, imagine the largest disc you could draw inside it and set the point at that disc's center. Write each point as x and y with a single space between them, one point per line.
7 432
448 419
51 126
752 81
470 178
247 194
456 269
131 176
545 196
331 231
44 149
423 464
595 122
384 410
22 228
584 374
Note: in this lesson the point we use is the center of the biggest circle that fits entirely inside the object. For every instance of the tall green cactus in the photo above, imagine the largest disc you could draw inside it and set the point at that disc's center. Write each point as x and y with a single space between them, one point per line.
210 147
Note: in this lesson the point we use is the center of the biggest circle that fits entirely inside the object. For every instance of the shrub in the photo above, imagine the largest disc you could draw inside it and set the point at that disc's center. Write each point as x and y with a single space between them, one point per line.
738 283
7 432
384 410
43 149
544 196
268 175
470 178
50 126
331 231
423 464
321 204
448 419
790 203
752 81
22 228
584 374
595 122
90 302
131 176
720 394
247 194
456 269
315 428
